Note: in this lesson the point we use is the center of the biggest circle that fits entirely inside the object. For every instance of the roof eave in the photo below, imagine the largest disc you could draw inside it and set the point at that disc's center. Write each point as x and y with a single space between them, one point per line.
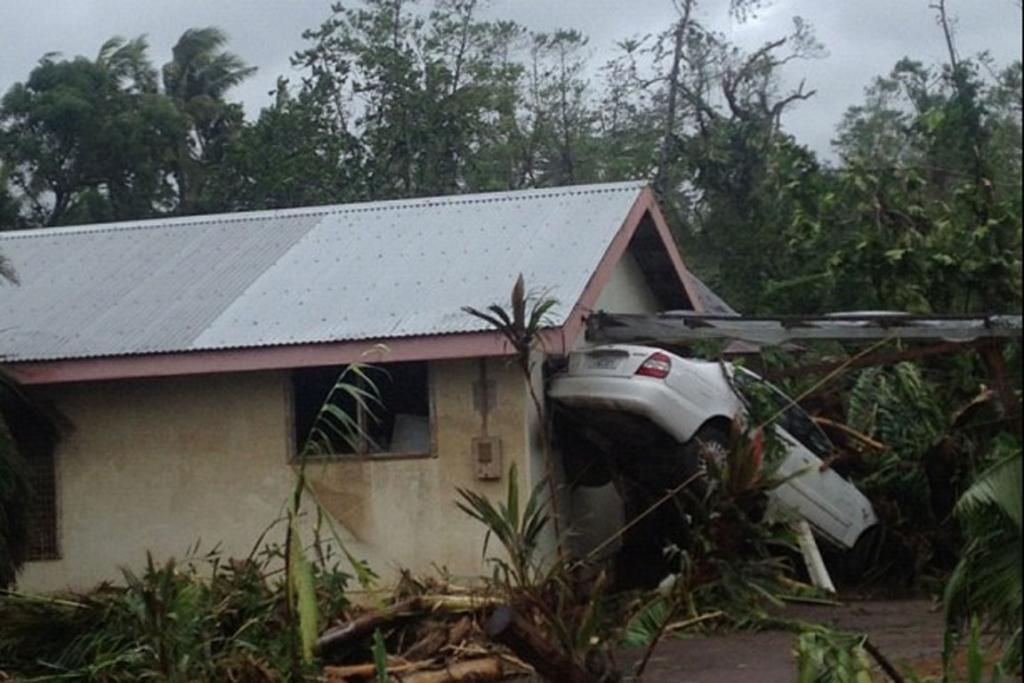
432 347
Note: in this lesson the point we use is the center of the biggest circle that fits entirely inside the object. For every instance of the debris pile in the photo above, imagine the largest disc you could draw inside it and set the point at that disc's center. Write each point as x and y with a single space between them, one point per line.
436 636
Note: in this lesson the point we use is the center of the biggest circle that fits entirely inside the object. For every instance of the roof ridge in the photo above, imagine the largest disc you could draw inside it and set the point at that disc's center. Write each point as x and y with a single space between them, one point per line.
329 209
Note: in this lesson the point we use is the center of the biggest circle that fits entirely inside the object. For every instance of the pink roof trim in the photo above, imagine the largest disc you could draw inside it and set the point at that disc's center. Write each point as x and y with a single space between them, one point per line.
433 347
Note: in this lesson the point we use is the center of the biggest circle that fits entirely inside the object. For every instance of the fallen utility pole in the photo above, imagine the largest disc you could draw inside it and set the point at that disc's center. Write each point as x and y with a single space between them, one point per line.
680 328
950 334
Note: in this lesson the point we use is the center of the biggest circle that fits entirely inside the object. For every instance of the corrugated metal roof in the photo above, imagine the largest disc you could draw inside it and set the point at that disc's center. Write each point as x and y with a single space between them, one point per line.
359 271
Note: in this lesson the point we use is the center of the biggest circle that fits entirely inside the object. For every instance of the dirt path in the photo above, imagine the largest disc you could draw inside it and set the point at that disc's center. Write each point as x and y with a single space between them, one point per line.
904 631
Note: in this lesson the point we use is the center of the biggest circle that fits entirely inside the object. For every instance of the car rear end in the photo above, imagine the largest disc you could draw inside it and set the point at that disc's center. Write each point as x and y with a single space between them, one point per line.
636 380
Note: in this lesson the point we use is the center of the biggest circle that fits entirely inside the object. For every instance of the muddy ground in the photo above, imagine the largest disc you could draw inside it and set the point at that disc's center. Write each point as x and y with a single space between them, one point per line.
908 632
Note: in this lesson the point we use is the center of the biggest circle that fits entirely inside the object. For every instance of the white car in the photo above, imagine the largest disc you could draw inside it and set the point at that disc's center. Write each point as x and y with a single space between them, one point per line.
652 398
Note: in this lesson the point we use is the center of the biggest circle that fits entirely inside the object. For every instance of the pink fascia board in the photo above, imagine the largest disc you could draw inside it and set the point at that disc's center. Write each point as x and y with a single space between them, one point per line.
433 347
646 204
556 340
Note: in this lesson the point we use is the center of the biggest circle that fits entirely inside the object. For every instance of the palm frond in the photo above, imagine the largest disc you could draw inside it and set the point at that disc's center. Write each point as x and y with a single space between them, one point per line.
518 528
998 487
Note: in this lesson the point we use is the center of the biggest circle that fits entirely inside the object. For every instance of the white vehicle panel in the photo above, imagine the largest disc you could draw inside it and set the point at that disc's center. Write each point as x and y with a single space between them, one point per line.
694 392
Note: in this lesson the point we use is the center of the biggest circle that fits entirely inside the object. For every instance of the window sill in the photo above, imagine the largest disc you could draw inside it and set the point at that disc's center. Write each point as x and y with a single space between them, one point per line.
48 558
368 457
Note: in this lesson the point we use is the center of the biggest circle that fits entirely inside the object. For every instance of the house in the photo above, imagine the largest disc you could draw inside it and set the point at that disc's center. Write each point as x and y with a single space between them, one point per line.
190 355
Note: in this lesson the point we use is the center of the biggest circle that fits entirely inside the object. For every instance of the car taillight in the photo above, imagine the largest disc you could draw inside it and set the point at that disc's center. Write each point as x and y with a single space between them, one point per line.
657 365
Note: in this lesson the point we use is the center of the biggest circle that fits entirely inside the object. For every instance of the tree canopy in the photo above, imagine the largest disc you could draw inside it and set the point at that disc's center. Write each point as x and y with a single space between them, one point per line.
920 210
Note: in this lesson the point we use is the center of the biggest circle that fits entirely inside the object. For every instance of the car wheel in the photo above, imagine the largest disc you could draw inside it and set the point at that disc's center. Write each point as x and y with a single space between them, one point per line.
709 445
870 547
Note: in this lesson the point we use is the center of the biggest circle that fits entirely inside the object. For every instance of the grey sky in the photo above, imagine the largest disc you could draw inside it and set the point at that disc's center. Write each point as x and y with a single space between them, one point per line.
864 38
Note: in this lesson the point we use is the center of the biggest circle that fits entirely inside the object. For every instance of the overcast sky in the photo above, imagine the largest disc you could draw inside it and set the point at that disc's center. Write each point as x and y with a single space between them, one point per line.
864 38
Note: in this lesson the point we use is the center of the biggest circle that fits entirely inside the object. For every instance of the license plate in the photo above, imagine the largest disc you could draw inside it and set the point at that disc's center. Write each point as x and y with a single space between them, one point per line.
603 362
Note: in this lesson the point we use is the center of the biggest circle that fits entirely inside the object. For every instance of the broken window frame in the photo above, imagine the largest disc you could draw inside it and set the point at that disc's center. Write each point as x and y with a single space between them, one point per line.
363 448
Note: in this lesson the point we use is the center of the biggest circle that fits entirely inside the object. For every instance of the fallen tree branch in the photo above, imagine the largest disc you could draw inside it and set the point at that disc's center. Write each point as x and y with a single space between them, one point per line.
874 444
508 627
459 603
364 625
369 670
872 359
883 662
477 670
680 625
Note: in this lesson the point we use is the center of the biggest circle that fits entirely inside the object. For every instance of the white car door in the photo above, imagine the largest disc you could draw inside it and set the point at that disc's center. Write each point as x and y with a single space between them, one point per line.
810 491
816 492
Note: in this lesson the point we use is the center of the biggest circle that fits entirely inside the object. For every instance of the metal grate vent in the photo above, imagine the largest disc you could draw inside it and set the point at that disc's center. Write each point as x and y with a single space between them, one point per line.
42 510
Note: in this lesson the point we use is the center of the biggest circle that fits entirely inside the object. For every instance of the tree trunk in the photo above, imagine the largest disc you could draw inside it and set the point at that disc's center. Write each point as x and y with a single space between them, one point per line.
673 92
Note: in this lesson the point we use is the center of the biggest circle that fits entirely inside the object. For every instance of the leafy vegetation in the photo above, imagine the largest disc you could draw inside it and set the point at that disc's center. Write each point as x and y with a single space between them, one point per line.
521 326
517 532
921 211
730 571
987 581
208 619
825 656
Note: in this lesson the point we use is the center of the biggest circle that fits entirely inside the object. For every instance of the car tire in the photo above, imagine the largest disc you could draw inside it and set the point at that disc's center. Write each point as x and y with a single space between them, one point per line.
711 442
866 552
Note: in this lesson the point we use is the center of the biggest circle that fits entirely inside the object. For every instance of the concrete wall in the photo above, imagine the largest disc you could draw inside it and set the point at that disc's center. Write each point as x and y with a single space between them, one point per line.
159 464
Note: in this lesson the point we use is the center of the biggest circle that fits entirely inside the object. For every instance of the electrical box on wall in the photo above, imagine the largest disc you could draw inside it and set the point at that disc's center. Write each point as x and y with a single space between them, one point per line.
487 457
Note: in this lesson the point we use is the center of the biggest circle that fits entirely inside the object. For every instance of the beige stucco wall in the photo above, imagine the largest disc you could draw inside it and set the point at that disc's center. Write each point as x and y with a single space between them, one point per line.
626 290
402 513
160 464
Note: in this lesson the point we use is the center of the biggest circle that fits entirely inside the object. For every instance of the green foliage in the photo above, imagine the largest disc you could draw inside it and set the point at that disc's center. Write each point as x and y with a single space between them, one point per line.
204 620
196 81
645 626
302 592
336 429
85 140
522 322
521 326
380 658
292 155
95 140
987 581
331 422
976 658
922 213
10 217
899 407
999 486
518 530
825 656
